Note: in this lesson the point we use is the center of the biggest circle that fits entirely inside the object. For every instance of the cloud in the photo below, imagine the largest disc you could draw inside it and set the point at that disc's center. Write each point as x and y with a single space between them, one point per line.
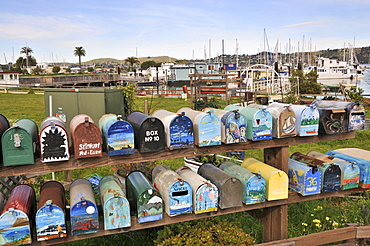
312 23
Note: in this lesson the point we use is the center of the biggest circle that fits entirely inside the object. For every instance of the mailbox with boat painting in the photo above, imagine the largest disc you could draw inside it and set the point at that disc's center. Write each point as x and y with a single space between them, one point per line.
330 173
259 121
350 172
146 202
178 129
307 120
176 193
284 120
233 126
118 135
116 208
205 194
84 212
333 117
253 183
207 126
53 138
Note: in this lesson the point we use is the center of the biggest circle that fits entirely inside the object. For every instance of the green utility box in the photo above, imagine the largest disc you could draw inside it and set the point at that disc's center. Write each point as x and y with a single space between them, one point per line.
67 103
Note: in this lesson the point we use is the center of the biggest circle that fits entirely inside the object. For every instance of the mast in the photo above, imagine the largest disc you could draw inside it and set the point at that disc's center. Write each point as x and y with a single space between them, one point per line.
237 53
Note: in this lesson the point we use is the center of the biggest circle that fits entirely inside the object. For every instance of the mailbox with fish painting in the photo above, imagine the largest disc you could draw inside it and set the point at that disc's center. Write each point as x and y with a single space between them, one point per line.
350 172
84 212
149 132
307 120
205 194
259 122
233 126
19 143
53 138
118 135
207 126
330 173
17 215
363 164
86 137
145 200
254 184
230 189
304 179
176 193
51 212
4 125
333 118
116 208
178 129
284 120
276 180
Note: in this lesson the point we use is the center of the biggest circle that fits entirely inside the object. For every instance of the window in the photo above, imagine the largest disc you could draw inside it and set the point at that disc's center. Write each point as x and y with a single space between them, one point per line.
10 76
1 76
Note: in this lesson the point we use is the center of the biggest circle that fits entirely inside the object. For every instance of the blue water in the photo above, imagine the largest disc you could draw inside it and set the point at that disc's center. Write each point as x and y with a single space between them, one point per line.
365 84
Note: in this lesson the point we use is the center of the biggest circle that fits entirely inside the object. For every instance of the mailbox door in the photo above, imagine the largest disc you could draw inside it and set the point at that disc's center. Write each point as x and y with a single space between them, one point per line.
50 223
84 218
116 213
180 198
287 127
181 133
235 128
309 122
255 190
120 138
333 121
331 177
151 136
209 130
261 126
149 206
11 231
87 141
206 199
356 118
17 147
54 144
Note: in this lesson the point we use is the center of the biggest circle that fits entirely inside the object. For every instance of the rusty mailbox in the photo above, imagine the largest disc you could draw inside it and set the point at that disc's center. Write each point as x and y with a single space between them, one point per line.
51 212
17 215
53 138
149 132
205 194
230 189
4 125
333 117
176 193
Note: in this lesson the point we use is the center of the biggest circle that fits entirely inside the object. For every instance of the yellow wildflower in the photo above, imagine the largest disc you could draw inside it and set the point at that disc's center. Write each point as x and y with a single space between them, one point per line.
327 218
304 224
316 221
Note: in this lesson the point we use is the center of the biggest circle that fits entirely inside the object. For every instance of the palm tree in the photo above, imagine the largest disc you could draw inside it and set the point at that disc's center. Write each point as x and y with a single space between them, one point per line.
26 50
132 60
79 51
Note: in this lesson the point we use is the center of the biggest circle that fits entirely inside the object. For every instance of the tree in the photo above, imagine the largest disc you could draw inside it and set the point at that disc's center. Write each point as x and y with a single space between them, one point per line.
79 51
19 63
131 61
26 50
56 69
37 70
90 69
301 83
147 64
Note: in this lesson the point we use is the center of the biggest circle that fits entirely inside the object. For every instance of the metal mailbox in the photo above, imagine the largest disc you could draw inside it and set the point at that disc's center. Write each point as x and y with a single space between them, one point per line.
350 172
53 139
259 122
333 117
230 189
207 126
118 135
1 201
176 193
330 173
283 120
233 126
84 212
178 129
4 125
276 180
17 215
205 194
254 184
19 143
304 179
51 212
146 201
86 137
116 208
307 120
148 131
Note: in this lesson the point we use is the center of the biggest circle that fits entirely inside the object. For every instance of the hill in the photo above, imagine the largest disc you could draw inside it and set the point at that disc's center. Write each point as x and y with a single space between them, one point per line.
158 59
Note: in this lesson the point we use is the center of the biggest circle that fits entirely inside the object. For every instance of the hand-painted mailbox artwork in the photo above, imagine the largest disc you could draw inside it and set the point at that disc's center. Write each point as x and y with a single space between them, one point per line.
118 135
304 179
307 122
333 117
53 138
178 128
284 120
116 208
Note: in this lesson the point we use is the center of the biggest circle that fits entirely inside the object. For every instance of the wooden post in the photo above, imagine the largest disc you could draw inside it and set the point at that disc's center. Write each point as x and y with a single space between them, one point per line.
191 93
146 110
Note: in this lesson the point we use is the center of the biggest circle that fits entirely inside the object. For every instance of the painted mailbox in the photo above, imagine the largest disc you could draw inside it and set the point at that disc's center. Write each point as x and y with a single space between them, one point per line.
283 120
254 184
307 120
330 173
118 135
230 189
86 137
207 127
146 201
233 126
276 180
53 139
205 194
178 129
259 122
116 208
350 172
4 125
17 215
84 212
333 118
149 132
176 193
304 179
51 212
19 143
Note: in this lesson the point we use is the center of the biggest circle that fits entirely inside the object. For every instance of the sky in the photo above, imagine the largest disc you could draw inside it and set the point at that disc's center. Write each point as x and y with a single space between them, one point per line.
181 29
